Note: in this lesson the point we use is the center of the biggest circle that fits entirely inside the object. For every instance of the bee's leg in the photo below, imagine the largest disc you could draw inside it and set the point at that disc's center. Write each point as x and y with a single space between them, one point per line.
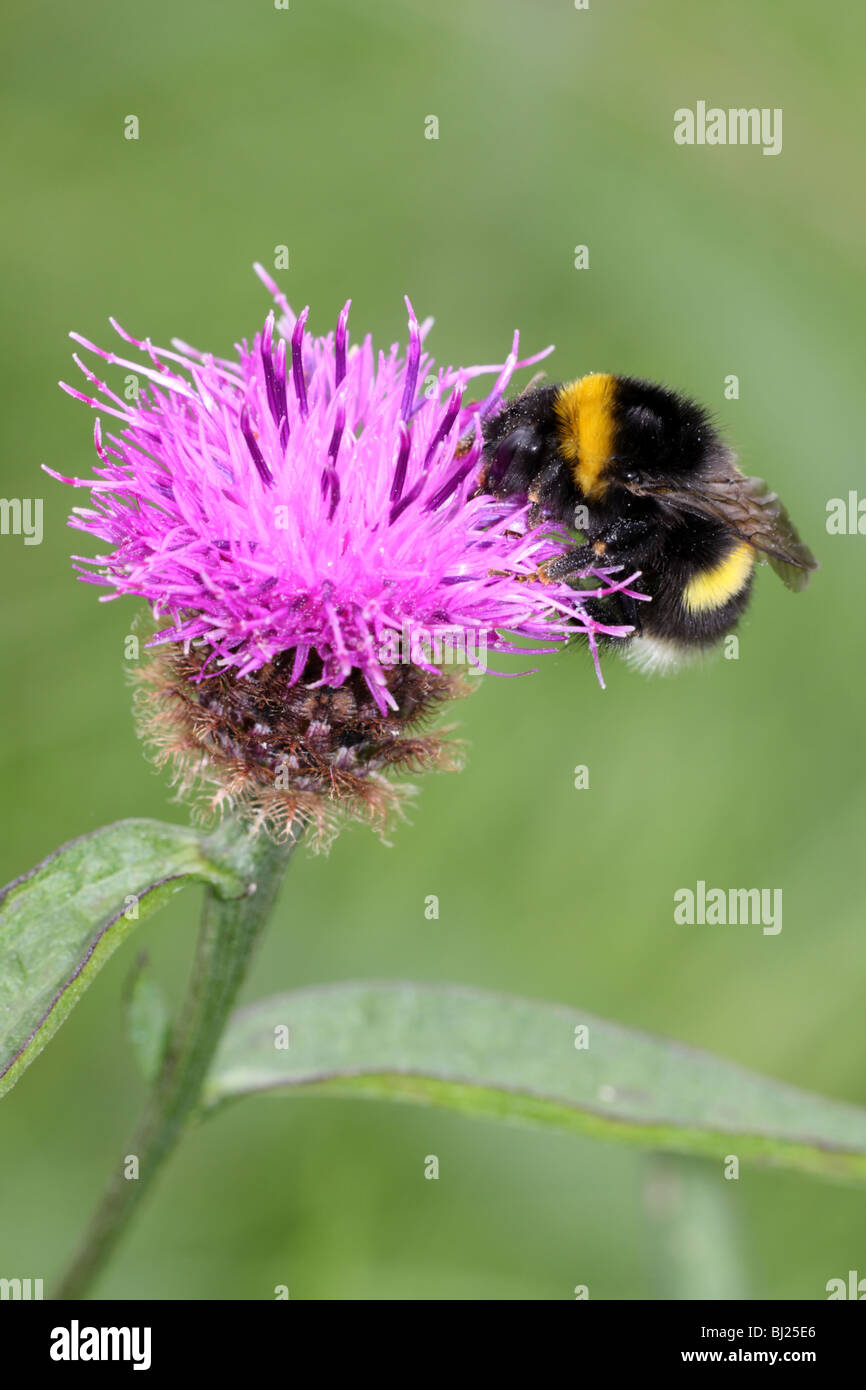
591 555
550 493
626 533
580 557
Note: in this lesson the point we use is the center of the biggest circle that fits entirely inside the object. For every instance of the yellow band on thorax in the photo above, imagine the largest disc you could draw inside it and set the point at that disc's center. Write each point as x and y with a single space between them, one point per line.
585 426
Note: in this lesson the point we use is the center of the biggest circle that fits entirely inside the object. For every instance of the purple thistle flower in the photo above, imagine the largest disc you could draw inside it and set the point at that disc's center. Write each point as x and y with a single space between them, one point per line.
298 508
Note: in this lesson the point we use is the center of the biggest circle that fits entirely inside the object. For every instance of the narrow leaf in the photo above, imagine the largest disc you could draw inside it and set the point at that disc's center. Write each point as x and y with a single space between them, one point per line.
542 1064
60 922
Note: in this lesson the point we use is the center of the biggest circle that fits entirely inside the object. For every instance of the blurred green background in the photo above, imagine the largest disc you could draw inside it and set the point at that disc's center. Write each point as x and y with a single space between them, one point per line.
306 127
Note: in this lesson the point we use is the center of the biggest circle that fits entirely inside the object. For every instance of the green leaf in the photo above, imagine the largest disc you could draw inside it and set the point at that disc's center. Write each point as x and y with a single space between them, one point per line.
516 1060
147 1018
60 922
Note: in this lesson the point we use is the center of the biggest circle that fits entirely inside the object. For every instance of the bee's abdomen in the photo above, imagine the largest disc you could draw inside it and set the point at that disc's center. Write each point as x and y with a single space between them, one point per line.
713 587
697 601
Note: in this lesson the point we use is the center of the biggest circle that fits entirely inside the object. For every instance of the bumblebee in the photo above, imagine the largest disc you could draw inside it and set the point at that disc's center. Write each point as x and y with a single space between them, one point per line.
642 474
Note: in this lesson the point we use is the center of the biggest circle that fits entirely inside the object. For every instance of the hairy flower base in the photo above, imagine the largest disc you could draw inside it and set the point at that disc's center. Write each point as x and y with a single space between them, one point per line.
274 752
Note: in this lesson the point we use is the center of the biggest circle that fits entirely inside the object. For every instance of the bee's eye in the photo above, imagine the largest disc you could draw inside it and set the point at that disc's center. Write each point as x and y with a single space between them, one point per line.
516 460
630 476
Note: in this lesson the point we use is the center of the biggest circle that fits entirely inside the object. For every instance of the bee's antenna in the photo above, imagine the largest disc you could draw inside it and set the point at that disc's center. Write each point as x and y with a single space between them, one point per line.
539 376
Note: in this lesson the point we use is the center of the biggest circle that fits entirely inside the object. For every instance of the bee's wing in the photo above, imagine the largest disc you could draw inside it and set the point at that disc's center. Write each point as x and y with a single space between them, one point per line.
753 513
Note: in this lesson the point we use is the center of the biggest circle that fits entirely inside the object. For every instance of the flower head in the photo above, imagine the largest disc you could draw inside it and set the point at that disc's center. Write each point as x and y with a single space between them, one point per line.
289 517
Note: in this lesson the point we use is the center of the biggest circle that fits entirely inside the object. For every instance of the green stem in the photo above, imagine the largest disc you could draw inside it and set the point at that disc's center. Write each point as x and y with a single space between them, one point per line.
692 1212
230 930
